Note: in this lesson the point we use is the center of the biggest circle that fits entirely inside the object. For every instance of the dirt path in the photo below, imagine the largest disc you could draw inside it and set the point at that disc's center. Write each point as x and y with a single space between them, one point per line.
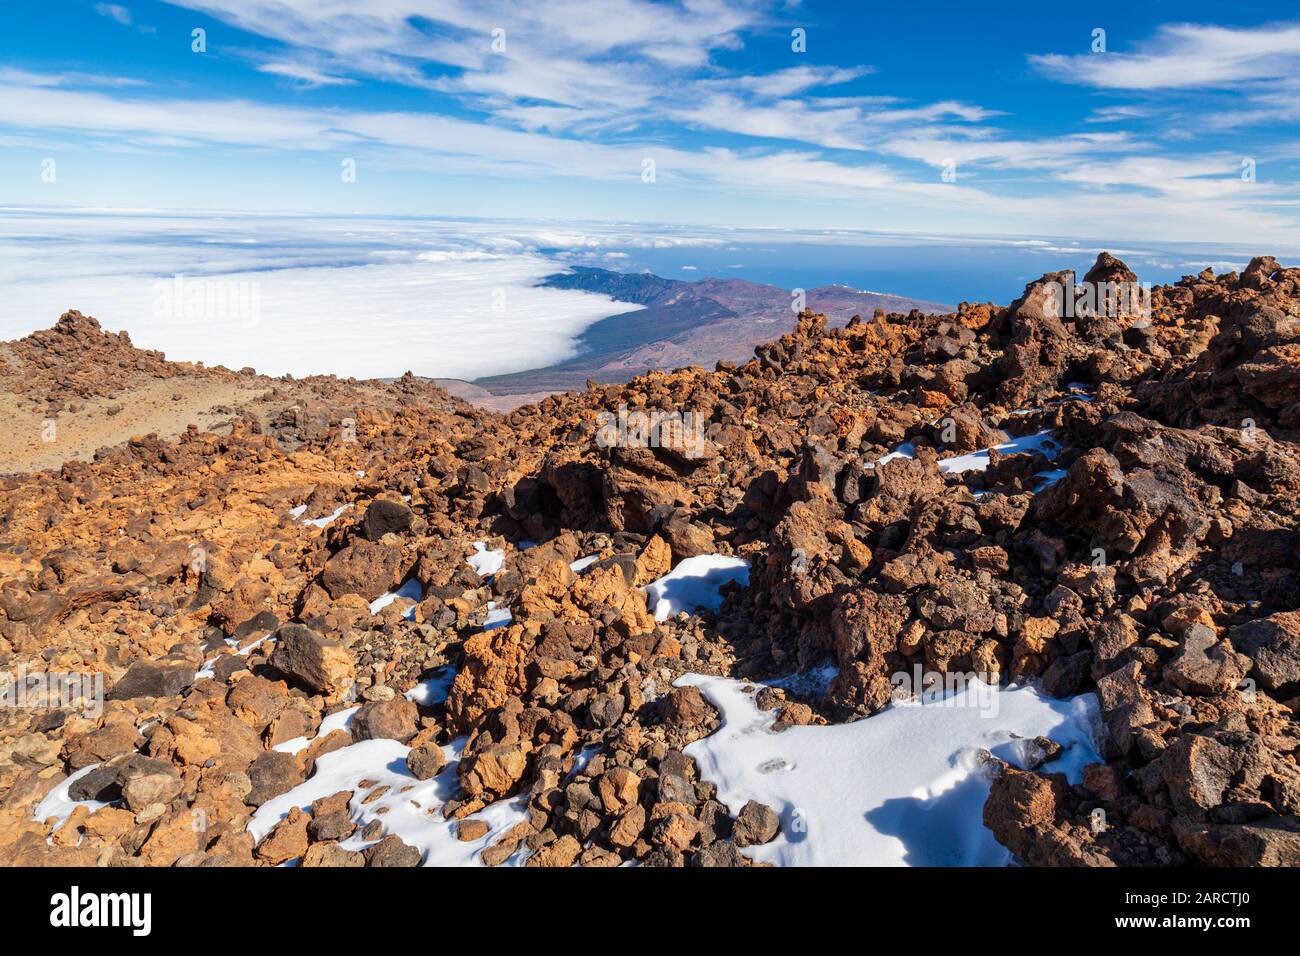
32 442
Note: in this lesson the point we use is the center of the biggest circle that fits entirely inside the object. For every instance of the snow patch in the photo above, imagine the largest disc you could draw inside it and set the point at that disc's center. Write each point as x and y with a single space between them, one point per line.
497 616
209 668
329 519
811 684
411 588
695 583
410 809
1041 442
1048 478
340 720
1078 392
486 561
433 690
905 787
905 450
58 804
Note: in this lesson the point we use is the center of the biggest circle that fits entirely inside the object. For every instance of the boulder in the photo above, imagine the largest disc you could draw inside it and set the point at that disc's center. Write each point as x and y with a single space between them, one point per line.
426 762
166 677
363 568
393 719
1206 665
756 824
1272 645
391 851
313 661
387 517
146 781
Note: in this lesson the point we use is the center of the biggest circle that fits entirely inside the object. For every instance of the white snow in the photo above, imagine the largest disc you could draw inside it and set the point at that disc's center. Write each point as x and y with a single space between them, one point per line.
811 683
582 564
1048 478
581 759
59 805
433 690
486 561
497 616
410 588
339 720
903 787
695 582
411 809
1078 392
905 450
329 519
1041 442
298 512
209 667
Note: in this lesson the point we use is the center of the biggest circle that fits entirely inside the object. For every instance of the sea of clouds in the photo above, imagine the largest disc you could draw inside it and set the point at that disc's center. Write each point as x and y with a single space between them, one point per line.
367 298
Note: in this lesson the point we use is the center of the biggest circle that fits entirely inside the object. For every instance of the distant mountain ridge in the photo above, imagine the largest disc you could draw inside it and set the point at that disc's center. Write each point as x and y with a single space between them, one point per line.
684 323
642 288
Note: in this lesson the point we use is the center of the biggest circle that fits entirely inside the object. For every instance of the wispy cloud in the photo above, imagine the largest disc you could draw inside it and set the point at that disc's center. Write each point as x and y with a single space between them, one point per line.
69 78
551 65
965 147
114 12
1186 56
797 79
1117 114
1203 177
304 73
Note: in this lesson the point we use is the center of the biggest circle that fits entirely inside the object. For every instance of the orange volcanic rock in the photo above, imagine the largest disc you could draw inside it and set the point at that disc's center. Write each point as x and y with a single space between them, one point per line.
1103 502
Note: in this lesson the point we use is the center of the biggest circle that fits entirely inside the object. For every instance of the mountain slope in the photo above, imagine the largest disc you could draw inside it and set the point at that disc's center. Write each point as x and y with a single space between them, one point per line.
684 323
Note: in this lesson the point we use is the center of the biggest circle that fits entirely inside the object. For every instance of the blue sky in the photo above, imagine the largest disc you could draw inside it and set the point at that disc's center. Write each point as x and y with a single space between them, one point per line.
1038 134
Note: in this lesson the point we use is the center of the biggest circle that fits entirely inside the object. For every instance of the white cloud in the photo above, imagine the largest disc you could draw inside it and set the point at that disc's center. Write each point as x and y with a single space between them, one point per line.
966 147
1116 114
114 12
70 78
796 79
392 39
303 72
1186 56
564 69
453 317
422 141
1208 177
181 121
828 124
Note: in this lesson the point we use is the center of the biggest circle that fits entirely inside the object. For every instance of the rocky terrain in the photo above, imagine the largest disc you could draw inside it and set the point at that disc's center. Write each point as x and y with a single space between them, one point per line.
366 624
